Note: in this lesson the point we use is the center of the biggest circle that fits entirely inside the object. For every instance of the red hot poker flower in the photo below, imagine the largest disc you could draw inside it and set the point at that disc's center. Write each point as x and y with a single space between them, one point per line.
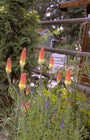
58 77
23 58
27 90
68 78
27 106
41 56
69 104
53 118
22 83
8 66
51 65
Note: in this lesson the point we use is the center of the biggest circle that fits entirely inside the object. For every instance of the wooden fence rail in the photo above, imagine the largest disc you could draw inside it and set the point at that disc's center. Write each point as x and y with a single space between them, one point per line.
73 3
65 21
65 51
80 87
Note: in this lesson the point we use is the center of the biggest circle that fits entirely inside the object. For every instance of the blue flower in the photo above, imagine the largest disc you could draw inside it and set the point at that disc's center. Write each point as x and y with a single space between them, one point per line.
23 103
62 124
47 103
31 103
25 126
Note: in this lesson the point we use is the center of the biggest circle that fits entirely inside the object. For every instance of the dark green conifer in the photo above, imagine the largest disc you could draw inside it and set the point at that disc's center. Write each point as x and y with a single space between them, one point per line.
18 22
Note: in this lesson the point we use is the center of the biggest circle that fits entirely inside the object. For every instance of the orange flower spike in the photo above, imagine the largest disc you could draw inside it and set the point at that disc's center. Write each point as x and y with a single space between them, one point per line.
22 83
8 66
27 106
27 90
41 56
51 65
53 118
68 78
59 77
69 104
23 58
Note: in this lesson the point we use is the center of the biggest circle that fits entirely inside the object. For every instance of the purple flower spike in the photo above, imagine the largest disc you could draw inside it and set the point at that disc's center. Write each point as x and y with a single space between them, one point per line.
47 103
31 103
23 104
25 126
62 124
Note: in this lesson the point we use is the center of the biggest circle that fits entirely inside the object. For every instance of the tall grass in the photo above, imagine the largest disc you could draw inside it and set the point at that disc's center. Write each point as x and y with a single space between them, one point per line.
45 114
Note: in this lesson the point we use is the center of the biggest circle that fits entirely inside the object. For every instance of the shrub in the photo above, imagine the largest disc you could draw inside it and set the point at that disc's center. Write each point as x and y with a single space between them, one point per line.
18 22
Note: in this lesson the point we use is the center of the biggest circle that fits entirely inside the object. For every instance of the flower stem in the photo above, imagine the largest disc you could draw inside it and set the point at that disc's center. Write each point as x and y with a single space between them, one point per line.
41 86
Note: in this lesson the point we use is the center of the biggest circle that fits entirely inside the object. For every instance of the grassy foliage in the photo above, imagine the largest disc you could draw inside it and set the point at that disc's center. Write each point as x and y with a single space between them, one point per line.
51 113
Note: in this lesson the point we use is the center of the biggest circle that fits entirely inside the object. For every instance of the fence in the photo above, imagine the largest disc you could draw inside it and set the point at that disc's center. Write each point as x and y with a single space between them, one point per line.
80 87
85 20
65 51
66 21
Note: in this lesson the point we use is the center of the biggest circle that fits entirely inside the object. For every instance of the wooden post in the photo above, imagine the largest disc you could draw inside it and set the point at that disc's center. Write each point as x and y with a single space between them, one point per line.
84 48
